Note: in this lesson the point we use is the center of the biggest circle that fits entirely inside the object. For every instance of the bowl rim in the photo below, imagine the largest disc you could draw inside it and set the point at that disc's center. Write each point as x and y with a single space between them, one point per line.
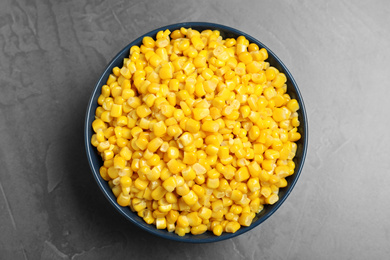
189 238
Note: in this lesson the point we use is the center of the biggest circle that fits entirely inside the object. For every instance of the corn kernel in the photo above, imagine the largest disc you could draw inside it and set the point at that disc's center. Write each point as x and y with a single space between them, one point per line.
217 230
232 227
210 126
190 198
169 184
200 113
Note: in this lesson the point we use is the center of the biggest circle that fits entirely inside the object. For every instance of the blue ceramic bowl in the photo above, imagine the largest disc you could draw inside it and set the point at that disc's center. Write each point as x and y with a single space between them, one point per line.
95 161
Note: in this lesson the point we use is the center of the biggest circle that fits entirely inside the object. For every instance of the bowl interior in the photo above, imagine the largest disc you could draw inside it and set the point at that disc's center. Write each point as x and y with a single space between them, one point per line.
95 161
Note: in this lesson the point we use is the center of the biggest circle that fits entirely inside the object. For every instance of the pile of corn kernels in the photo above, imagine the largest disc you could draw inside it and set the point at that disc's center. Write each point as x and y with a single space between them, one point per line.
196 132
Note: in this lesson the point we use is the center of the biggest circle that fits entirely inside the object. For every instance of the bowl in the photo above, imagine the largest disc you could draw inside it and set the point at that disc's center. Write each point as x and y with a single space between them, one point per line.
95 160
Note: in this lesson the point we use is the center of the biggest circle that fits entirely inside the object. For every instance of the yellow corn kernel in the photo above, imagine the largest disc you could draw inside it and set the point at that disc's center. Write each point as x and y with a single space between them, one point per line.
271 154
280 114
109 132
174 166
183 207
271 73
245 57
186 139
232 227
235 209
119 162
245 111
123 200
116 71
143 111
155 60
246 219
178 114
217 205
134 102
199 169
154 160
242 174
282 171
200 229
282 183
254 169
205 213
159 129
188 174
99 111
148 42
217 230
174 131
213 140
192 126
190 158
158 193
236 195
141 184
111 79
190 198
279 80
210 126
141 143
193 219
293 105
164 147
180 231
147 215
182 221
170 184
223 152
116 189
269 93
294 136
171 227
108 154
199 190
153 174
173 152
113 172
165 174
104 174
212 150
265 191
268 165
161 223
253 184
172 216
155 144
125 153
167 110
144 123
200 113
295 122
98 124
164 206
272 199
163 51
116 110
212 183
122 121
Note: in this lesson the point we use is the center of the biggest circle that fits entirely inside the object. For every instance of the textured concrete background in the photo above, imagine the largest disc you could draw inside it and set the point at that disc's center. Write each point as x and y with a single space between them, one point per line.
51 55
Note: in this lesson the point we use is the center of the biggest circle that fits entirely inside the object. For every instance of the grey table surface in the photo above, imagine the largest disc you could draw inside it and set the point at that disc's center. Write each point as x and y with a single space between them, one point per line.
51 55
